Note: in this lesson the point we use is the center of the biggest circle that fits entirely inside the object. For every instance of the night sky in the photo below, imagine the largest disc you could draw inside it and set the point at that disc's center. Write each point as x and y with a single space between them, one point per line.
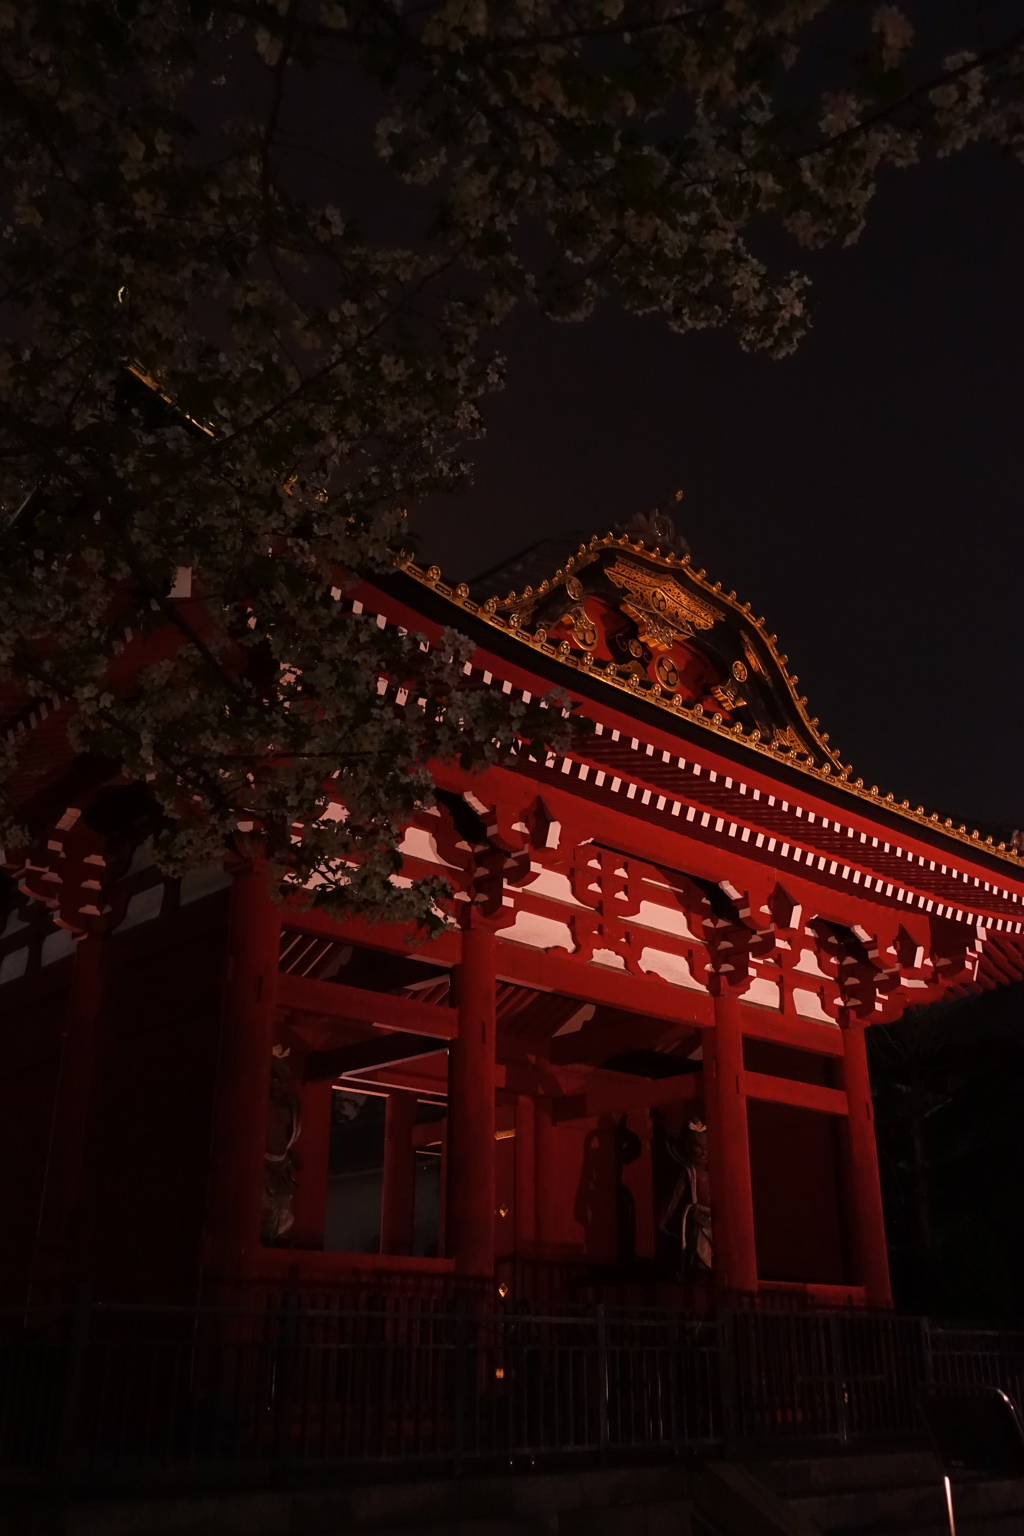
865 494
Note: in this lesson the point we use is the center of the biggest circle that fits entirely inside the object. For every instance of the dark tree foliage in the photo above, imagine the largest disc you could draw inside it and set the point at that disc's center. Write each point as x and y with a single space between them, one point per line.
303 221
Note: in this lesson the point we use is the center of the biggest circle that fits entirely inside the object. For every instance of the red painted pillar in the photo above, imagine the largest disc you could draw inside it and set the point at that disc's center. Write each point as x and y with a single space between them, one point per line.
865 1188
550 1221
442 1193
398 1199
314 1150
57 1266
732 1201
526 1175
469 1208
239 1130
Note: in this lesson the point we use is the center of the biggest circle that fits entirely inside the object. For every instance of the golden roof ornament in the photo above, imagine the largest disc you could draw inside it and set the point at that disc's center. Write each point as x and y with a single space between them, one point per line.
656 530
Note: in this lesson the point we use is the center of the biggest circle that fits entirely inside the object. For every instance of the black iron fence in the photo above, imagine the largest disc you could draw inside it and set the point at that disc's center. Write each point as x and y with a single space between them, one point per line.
104 1391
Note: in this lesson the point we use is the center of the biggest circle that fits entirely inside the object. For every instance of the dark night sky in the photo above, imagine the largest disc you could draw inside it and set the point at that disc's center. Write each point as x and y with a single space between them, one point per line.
864 494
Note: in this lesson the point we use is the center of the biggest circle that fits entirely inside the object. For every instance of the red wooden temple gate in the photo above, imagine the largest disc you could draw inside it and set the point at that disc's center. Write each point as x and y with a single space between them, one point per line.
690 919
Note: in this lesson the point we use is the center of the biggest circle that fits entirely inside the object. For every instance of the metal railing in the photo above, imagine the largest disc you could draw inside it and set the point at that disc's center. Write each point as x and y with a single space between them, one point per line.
107 1391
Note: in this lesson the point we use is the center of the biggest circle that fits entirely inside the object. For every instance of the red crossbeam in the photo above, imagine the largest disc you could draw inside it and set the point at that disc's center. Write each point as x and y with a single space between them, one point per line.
340 1002
782 1090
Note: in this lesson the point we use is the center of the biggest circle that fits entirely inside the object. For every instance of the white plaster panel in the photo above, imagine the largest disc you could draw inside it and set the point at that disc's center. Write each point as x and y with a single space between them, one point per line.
13 965
673 968
420 844
57 946
575 1024
142 858
664 919
808 964
142 908
762 991
808 1006
538 932
548 882
608 957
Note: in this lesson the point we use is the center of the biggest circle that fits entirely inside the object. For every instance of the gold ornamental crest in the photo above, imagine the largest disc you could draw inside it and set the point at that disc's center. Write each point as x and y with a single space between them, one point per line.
661 608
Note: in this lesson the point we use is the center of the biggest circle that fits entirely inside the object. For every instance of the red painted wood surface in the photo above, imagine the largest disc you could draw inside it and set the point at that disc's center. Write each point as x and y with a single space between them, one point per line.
336 1001
239 1131
469 1208
314 1149
865 1189
732 1201
56 1263
398 1199
780 1090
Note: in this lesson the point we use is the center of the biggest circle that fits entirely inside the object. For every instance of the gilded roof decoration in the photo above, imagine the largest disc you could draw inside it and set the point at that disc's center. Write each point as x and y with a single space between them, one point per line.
641 619
659 605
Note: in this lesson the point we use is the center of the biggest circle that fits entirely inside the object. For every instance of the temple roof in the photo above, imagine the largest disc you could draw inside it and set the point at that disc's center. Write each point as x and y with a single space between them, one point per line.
628 610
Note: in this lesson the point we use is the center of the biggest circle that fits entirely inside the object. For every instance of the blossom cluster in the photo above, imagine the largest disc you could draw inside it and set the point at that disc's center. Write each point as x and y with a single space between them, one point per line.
213 359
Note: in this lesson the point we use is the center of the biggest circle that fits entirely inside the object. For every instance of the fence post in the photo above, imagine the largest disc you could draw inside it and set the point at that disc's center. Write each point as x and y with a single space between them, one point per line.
725 1335
79 1324
461 1364
603 1382
839 1380
284 1376
926 1350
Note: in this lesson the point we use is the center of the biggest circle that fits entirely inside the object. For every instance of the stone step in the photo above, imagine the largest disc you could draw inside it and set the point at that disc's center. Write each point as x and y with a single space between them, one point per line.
637 1501
577 1496
866 1508
663 1519
988 1496
922 1506
991 1525
995 1525
850 1470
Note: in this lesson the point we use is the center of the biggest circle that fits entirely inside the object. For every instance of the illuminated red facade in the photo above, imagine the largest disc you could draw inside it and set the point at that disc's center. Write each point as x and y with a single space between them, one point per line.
688 921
